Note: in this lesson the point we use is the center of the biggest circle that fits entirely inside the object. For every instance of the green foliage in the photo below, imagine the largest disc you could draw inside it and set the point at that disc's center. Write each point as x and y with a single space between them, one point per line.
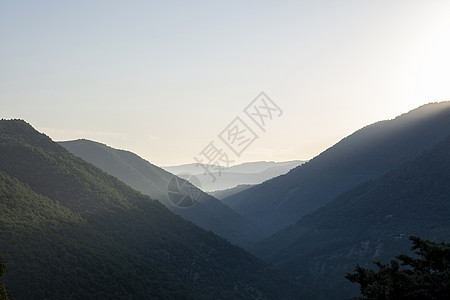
153 181
369 222
71 231
3 292
426 277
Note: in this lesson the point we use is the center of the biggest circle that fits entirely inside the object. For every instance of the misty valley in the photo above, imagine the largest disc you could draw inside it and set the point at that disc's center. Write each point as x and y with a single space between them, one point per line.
221 150
80 219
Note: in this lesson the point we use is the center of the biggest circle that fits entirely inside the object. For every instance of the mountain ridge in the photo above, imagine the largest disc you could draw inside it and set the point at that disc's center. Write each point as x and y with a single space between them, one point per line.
226 178
368 222
208 213
70 230
369 152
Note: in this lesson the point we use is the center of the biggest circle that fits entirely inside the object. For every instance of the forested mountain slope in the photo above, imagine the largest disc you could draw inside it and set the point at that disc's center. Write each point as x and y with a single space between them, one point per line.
366 154
208 212
372 221
70 231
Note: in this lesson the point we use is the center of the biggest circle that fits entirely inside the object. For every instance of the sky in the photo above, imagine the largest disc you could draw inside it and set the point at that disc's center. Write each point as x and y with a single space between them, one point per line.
165 78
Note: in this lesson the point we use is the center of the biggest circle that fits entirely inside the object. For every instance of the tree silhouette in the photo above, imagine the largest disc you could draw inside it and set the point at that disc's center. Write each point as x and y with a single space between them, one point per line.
3 291
425 277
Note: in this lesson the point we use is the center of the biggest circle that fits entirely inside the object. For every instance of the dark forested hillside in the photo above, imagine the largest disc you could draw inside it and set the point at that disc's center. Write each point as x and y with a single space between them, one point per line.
372 221
70 231
208 213
366 154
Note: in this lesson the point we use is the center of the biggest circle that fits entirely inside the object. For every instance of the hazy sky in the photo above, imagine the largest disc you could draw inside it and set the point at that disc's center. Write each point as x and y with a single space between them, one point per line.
164 78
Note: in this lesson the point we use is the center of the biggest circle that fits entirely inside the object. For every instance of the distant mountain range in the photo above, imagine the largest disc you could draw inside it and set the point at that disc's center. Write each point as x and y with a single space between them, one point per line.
241 174
68 230
366 154
208 213
371 221
222 194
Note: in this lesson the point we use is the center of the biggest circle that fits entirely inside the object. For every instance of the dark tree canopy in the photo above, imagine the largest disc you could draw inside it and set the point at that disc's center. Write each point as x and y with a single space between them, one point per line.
3 291
425 277
72 231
